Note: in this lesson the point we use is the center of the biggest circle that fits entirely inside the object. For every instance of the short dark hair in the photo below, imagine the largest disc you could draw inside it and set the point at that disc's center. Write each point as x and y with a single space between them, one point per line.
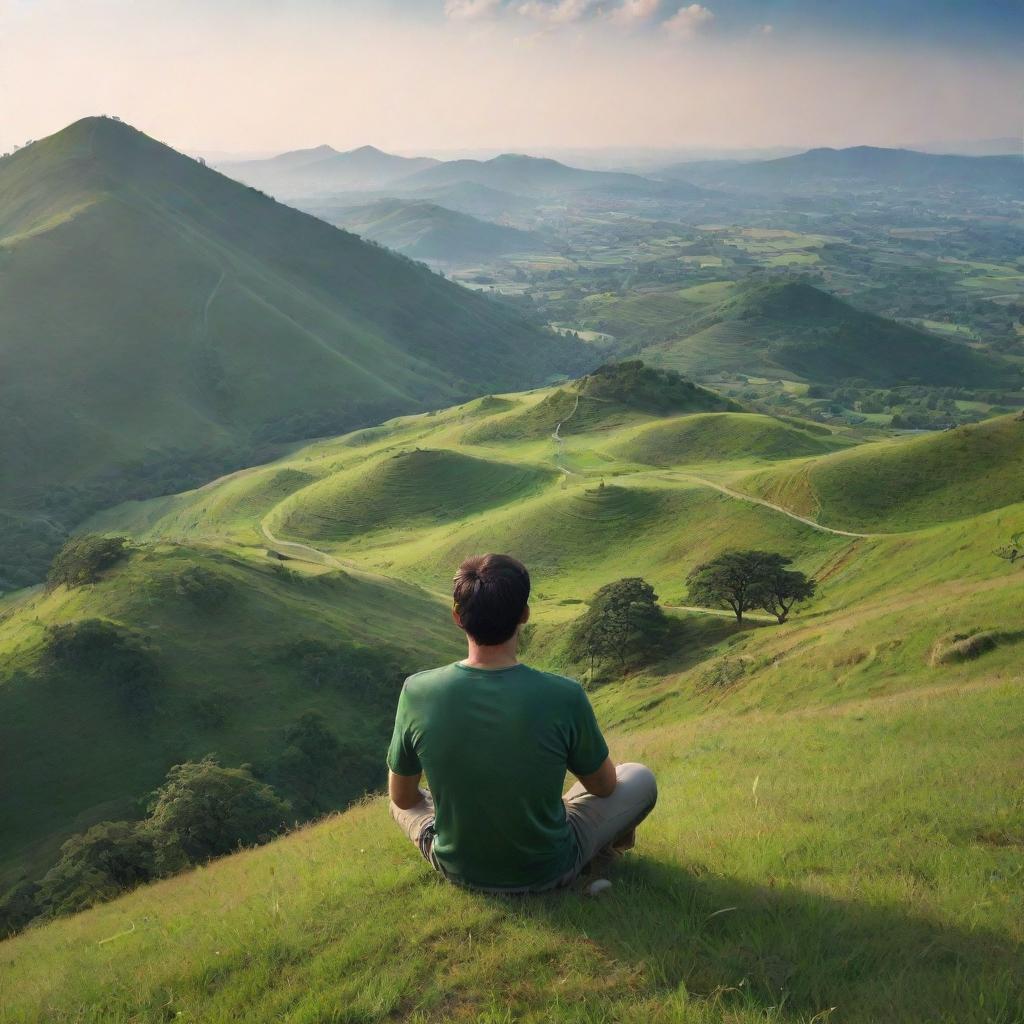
491 592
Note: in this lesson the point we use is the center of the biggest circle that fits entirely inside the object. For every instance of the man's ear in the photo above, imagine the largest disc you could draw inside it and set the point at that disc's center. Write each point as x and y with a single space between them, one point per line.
456 618
526 616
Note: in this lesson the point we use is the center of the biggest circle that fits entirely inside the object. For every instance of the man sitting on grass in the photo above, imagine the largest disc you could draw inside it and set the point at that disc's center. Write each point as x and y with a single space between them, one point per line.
495 739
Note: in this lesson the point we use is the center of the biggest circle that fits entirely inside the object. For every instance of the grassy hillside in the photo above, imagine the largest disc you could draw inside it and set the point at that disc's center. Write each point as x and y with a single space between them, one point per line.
839 829
908 483
160 322
781 326
427 231
234 639
716 437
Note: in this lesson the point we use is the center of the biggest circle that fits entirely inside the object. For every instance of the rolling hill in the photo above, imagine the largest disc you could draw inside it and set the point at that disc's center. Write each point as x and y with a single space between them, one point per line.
786 326
860 167
427 231
839 822
160 322
322 170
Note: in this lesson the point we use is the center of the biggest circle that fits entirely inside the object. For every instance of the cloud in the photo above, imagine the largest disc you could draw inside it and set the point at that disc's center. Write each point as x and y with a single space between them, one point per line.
632 11
560 13
467 10
688 21
767 30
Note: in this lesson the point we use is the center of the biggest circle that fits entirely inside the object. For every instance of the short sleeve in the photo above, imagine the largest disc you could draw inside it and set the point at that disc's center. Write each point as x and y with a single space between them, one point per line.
588 750
402 756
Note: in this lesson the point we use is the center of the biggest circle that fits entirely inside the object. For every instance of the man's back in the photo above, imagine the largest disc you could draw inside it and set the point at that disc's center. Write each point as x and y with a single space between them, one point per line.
495 745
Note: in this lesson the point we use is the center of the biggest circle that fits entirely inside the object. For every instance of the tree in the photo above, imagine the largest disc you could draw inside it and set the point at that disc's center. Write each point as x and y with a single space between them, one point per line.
311 768
204 810
97 865
742 580
782 588
1013 550
623 621
82 559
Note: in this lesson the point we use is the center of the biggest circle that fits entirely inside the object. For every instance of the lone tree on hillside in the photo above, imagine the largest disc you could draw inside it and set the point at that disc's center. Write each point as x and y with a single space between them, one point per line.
624 621
743 580
82 560
782 588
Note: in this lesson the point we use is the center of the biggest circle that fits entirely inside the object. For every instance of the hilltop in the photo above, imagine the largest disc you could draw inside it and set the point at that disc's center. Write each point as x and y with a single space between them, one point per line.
771 882
787 326
323 170
160 322
430 232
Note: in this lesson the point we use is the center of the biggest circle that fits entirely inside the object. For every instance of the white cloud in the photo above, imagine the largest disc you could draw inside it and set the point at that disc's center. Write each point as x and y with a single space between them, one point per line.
631 11
688 21
560 13
467 10
767 30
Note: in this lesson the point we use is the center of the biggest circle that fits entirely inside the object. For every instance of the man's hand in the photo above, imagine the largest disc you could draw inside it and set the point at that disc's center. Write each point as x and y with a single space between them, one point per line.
404 790
603 781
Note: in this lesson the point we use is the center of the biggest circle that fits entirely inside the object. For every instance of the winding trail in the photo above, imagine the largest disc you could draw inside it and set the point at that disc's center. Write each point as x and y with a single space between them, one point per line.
303 552
740 496
209 303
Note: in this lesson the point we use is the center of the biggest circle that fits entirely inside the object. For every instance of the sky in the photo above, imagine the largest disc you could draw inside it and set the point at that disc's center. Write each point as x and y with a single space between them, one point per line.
435 76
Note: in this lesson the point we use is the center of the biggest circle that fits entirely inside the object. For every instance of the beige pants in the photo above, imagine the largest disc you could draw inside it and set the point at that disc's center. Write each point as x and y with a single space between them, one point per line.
596 821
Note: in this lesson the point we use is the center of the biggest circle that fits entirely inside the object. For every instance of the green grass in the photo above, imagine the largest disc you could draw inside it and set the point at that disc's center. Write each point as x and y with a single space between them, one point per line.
908 483
841 819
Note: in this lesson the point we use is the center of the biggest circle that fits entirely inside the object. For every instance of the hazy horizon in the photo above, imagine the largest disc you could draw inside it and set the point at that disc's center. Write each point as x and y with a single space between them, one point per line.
435 76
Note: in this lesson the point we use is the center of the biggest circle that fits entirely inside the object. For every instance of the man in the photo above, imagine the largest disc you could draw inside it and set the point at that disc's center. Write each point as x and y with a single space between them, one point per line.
495 739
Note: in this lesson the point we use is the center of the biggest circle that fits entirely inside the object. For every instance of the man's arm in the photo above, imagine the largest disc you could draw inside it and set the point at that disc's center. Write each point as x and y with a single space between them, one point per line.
603 781
404 790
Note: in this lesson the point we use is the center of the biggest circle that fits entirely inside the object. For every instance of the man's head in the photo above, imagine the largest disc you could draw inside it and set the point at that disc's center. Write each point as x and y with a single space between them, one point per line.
491 594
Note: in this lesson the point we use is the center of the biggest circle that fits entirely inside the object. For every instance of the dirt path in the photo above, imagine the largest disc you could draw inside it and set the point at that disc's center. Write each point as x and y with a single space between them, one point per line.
740 496
721 612
302 552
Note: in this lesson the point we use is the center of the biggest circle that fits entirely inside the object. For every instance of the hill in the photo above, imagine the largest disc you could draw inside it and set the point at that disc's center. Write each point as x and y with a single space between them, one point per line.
771 882
910 483
427 231
160 322
323 170
234 650
716 437
786 326
861 166
612 395
534 176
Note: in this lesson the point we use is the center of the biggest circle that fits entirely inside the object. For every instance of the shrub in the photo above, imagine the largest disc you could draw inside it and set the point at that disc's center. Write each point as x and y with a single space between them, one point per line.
204 810
963 647
82 560
204 589
122 660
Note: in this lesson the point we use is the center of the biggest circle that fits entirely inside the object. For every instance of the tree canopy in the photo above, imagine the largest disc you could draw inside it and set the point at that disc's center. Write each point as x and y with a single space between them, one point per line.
744 580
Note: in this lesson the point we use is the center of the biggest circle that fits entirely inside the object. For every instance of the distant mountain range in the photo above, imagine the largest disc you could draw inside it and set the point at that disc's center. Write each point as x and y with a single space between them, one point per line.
323 171
430 232
860 165
159 321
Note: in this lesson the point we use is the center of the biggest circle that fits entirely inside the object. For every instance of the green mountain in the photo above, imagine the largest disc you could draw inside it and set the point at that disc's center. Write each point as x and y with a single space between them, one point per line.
160 322
787 327
861 166
322 170
839 820
427 231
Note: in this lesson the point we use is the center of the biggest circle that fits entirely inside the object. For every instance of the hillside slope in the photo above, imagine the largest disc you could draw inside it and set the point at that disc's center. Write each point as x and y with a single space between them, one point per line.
159 321
783 326
430 232
909 483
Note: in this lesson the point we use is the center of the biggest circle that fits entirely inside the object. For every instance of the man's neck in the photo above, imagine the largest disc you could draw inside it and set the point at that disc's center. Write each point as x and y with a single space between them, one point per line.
492 656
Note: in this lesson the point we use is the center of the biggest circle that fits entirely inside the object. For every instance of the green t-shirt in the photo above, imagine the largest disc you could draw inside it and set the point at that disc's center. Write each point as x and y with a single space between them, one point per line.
495 746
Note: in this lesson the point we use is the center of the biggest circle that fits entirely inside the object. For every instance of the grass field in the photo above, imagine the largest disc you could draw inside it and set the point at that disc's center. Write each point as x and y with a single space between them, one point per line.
840 829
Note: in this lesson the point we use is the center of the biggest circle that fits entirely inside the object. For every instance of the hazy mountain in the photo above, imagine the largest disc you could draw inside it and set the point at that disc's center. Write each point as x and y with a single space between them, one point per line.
311 171
428 231
476 200
534 176
860 165
158 320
